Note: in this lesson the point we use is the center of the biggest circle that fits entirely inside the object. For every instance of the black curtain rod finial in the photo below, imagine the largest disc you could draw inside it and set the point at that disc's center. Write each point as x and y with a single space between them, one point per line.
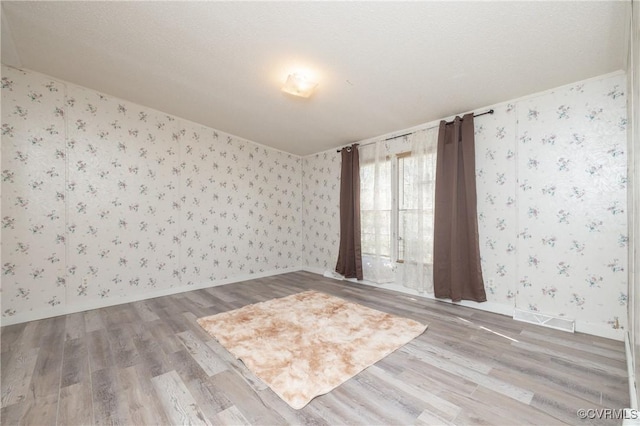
348 148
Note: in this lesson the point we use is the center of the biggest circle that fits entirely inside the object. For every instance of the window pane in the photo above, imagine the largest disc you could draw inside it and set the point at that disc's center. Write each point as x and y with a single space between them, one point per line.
410 187
368 228
407 233
375 207
405 176
369 190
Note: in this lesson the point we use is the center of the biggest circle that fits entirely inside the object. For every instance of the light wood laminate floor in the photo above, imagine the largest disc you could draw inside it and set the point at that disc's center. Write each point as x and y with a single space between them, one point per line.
149 362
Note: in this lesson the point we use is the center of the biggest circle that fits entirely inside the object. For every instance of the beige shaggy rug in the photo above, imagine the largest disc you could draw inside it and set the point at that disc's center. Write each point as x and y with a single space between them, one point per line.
306 344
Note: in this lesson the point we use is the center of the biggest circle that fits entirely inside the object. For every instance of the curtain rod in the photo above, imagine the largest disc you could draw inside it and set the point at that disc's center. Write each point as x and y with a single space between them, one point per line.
410 133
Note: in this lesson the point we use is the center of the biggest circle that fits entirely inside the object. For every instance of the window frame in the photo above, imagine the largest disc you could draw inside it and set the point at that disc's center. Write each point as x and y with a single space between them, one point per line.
392 236
395 199
396 180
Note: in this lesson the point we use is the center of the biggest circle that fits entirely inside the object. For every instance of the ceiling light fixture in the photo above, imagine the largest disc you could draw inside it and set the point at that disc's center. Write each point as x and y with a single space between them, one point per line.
299 85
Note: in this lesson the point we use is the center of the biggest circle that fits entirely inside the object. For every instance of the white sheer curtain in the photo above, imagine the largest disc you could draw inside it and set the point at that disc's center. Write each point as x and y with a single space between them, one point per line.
375 213
416 211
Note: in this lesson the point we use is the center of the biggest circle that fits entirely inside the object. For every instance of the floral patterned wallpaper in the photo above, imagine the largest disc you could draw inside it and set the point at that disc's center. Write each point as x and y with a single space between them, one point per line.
105 200
321 210
572 199
551 184
496 186
33 193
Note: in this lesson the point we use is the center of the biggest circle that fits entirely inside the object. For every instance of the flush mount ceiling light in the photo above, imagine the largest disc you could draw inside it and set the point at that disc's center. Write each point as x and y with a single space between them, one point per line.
299 85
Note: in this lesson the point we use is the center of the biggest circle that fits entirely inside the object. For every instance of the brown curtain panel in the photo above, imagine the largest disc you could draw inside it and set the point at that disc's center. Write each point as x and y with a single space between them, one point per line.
350 252
457 274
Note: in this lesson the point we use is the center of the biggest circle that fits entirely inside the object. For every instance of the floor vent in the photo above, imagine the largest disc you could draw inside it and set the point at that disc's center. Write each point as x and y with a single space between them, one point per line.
537 318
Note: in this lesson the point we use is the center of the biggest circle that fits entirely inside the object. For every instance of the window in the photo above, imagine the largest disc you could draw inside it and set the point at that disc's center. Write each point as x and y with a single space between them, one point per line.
415 203
370 213
398 210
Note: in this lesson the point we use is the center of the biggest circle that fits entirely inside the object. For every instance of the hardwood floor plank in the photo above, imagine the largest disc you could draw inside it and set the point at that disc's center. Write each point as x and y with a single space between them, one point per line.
165 337
586 347
223 293
305 416
427 418
424 376
115 316
145 312
200 299
564 409
202 354
76 407
149 362
107 406
575 384
210 399
604 365
232 416
245 399
503 387
93 321
337 408
186 366
41 411
237 366
219 305
505 407
144 407
13 414
12 335
387 403
75 326
16 375
45 379
178 403
123 350
195 328
432 402
75 362
100 356
559 404
152 358
436 350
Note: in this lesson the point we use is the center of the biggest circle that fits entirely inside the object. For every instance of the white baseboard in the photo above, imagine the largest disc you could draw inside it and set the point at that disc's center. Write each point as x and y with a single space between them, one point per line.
103 303
497 308
315 270
493 307
633 395
600 330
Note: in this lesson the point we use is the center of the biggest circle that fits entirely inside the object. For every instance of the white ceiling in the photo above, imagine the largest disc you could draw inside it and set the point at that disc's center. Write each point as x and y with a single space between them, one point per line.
381 66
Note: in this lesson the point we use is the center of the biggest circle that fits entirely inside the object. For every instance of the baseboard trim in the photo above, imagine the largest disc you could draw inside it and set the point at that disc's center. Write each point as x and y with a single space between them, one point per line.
103 303
633 396
496 308
313 270
600 330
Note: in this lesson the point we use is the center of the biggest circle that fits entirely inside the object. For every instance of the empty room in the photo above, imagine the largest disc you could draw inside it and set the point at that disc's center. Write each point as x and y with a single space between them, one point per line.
274 213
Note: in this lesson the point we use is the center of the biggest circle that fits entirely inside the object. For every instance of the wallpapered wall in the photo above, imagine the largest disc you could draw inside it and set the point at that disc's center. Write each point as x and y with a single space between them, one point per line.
633 214
551 189
104 201
321 210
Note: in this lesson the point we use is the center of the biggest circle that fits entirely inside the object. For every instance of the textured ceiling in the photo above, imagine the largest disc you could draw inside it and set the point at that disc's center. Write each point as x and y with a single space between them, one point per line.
381 66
